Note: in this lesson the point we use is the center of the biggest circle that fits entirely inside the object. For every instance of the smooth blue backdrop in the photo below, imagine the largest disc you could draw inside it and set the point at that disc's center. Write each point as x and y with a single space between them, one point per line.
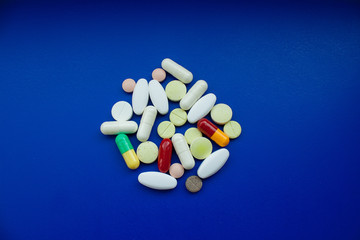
290 71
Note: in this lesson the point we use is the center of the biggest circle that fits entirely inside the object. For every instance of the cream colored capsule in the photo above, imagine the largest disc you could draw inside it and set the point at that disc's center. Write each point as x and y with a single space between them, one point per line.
183 151
193 94
146 123
177 70
116 127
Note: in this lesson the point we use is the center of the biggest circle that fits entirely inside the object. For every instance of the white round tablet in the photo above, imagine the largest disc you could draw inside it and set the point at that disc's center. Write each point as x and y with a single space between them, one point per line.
122 111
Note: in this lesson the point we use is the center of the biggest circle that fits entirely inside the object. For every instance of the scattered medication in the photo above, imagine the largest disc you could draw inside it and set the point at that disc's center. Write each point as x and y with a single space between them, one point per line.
147 152
175 90
177 70
201 108
128 85
157 180
213 132
140 96
166 129
213 163
193 184
221 113
201 148
232 129
176 170
178 117
146 123
183 151
193 94
165 152
122 111
159 74
158 97
116 127
191 134
127 151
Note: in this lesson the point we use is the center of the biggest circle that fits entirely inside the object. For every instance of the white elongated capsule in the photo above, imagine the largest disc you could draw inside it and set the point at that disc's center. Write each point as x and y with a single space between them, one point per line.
140 96
177 70
157 180
183 151
201 108
158 97
116 127
195 92
213 163
146 123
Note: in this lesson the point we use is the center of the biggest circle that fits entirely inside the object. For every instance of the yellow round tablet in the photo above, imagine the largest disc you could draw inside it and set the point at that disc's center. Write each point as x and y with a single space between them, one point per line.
201 148
147 152
175 90
191 134
232 129
221 113
166 129
178 117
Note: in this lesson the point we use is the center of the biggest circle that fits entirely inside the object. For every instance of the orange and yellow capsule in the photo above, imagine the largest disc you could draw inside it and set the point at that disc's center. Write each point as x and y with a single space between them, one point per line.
213 132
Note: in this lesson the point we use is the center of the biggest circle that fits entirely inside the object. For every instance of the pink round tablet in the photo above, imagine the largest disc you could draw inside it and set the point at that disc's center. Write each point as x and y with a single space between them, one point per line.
176 170
159 74
128 85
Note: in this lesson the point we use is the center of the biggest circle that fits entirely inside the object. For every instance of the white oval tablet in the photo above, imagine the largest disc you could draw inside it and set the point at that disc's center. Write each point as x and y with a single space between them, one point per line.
183 151
213 163
201 108
116 127
157 180
158 97
146 123
195 92
122 111
177 70
140 96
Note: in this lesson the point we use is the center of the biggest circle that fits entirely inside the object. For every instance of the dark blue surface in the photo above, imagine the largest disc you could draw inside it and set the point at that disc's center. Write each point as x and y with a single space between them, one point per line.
290 72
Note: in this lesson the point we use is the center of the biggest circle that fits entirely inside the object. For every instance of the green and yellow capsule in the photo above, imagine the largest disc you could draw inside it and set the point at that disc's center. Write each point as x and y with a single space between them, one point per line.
127 151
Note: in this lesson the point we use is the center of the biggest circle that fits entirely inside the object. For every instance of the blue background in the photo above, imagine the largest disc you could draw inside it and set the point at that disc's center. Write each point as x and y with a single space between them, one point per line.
290 72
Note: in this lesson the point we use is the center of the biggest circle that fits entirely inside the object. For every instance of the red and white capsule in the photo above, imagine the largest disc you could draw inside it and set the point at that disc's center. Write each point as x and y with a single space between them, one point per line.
164 158
213 132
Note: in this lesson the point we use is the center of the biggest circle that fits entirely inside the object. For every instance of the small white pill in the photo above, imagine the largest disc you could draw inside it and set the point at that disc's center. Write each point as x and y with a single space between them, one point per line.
122 111
201 108
158 97
213 163
116 127
146 123
157 180
140 96
177 70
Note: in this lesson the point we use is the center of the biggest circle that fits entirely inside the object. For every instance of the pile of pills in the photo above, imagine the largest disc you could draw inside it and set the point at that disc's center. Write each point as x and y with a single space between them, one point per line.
194 143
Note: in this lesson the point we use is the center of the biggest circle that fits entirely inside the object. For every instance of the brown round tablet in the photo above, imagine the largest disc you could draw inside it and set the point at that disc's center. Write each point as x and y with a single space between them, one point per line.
193 184
159 74
128 85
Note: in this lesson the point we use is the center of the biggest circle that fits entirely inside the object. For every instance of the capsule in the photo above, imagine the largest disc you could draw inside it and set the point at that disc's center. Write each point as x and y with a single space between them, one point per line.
177 70
213 132
183 151
146 123
195 92
164 158
127 151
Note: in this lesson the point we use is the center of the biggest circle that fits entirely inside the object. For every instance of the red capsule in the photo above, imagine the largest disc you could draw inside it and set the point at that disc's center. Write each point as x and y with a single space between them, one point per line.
213 132
164 158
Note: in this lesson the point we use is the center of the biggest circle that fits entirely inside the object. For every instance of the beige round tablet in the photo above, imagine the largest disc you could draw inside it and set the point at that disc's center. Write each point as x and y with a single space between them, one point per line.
176 170
221 113
175 90
128 85
147 152
178 117
191 134
232 129
201 148
166 129
159 74
193 184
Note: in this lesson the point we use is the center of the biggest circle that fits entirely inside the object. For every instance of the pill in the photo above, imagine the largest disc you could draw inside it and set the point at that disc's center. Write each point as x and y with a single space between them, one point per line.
116 127
159 74
221 113
191 134
193 94
193 184
213 163
127 151
183 151
176 170
178 117
177 70
122 111
175 90
128 85
201 108
146 123
140 96
232 129
201 148
166 129
147 152
213 132
157 180
164 159
158 97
